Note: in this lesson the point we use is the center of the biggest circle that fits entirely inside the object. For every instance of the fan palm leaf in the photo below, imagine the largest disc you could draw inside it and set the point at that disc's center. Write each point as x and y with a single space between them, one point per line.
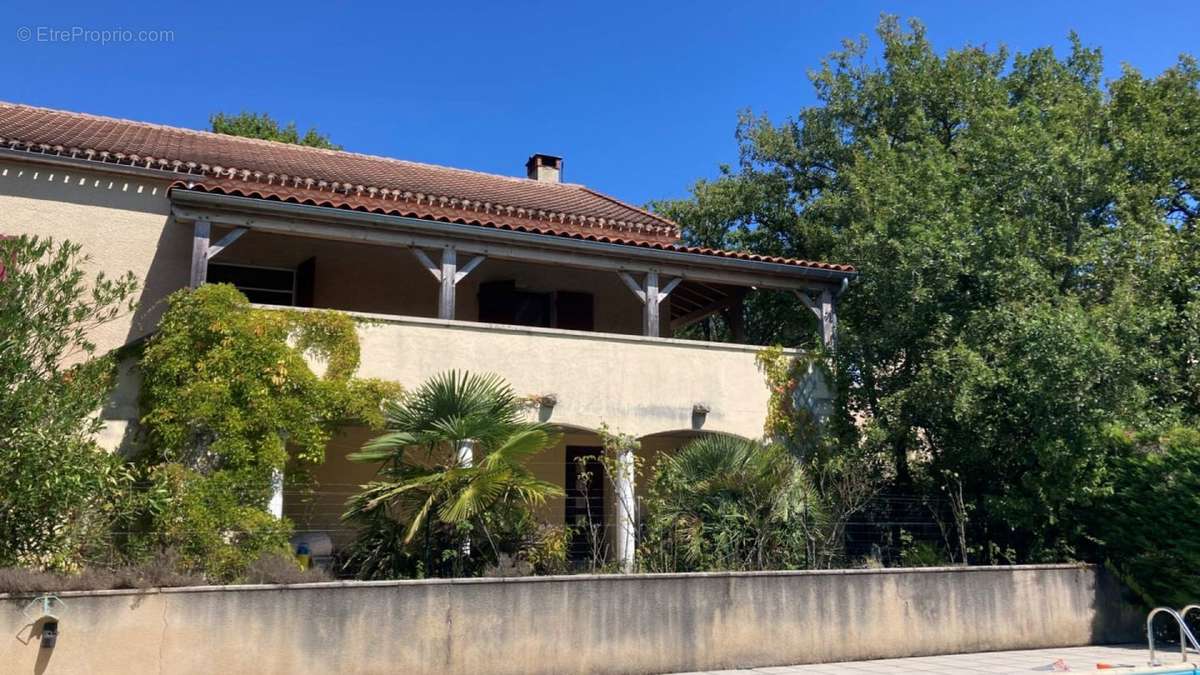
423 476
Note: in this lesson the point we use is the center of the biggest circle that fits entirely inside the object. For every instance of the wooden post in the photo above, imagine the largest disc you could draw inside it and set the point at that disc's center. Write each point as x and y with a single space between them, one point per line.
828 318
449 272
650 322
651 298
200 253
826 313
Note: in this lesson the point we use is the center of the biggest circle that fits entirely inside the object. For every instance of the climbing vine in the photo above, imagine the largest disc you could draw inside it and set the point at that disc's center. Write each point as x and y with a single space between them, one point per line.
788 420
227 390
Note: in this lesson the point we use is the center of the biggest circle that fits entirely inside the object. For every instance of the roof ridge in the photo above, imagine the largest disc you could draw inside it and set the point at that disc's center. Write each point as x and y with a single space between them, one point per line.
295 146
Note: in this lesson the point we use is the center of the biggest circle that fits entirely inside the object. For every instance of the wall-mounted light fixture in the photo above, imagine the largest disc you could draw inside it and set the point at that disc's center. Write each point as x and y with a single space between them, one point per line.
42 610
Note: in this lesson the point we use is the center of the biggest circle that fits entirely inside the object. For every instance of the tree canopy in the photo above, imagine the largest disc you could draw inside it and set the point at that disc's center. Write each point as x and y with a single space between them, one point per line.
1026 235
262 126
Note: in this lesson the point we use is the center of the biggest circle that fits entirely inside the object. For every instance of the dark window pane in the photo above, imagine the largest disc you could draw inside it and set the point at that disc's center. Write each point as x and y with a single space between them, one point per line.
252 277
267 297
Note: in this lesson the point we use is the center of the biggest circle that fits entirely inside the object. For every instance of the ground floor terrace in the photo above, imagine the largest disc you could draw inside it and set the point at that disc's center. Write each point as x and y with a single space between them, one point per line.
594 505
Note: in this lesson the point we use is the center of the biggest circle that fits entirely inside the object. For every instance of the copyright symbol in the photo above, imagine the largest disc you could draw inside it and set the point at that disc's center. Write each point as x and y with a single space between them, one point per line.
24 33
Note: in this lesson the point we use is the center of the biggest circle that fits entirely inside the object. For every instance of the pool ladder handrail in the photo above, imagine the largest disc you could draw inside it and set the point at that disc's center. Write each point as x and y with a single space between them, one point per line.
1185 633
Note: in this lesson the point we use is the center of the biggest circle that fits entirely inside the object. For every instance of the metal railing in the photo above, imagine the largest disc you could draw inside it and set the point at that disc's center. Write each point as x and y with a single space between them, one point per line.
1185 633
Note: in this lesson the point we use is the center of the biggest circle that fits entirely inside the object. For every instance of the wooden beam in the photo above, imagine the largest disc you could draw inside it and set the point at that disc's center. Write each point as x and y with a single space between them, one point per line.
468 268
662 295
682 303
427 263
633 285
823 308
449 271
701 312
540 249
200 234
224 243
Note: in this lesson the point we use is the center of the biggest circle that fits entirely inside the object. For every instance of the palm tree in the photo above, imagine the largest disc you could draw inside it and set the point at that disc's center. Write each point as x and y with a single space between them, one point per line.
724 502
433 435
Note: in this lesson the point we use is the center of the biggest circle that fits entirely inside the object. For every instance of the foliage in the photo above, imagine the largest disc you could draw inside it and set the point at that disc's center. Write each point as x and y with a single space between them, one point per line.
158 572
58 491
262 126
1026 238
427 483
726 503
1141 524
793 425
226 391
276 568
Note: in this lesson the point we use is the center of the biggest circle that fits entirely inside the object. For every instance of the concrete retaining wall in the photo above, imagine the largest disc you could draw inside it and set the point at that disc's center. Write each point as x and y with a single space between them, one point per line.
581 624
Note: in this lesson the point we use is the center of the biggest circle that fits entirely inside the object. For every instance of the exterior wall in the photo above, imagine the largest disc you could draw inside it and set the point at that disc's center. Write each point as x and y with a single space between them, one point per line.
123 223
334 481
634 385
582 624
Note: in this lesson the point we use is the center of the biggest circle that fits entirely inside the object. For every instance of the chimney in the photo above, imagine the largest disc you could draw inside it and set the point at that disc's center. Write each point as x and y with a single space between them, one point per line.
544 168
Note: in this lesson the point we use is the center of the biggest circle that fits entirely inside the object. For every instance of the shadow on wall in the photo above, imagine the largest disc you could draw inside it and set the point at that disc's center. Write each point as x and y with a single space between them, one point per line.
123 223
1118 613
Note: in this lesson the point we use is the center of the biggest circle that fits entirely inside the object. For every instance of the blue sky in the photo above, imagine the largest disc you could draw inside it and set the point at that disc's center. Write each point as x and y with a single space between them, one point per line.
640 98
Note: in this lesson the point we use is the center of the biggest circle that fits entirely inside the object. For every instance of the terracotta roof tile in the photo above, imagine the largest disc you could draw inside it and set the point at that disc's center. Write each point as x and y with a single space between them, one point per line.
269 170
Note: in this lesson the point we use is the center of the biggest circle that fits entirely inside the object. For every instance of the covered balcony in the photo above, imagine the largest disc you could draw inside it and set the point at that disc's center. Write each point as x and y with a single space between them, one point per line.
581 327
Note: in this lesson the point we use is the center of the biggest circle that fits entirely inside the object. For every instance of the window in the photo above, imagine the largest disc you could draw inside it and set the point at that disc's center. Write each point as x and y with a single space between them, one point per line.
264 285
503 302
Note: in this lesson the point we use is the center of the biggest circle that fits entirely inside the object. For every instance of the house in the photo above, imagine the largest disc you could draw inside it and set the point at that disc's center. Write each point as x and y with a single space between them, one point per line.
569 294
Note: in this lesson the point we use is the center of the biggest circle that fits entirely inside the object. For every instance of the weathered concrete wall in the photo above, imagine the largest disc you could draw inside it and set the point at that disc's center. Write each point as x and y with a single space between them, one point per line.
585 624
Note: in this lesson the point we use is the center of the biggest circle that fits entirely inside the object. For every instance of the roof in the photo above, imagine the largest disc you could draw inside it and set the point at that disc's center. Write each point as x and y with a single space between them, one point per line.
280 171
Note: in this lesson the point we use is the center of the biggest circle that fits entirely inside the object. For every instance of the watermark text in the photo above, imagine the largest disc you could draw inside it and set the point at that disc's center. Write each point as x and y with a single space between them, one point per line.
86 35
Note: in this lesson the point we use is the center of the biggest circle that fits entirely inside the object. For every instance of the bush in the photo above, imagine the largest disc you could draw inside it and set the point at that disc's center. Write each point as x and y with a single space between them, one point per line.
275 568
1145 524
58 491
160 572
227 398
726 503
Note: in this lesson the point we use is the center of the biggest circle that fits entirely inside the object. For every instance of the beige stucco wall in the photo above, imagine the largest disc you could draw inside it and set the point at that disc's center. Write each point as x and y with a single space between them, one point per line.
122 223
583 624
634 385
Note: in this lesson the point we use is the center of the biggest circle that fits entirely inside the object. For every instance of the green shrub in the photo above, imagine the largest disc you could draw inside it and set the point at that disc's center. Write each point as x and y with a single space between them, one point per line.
227 399
58 490
1145 525
727 503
